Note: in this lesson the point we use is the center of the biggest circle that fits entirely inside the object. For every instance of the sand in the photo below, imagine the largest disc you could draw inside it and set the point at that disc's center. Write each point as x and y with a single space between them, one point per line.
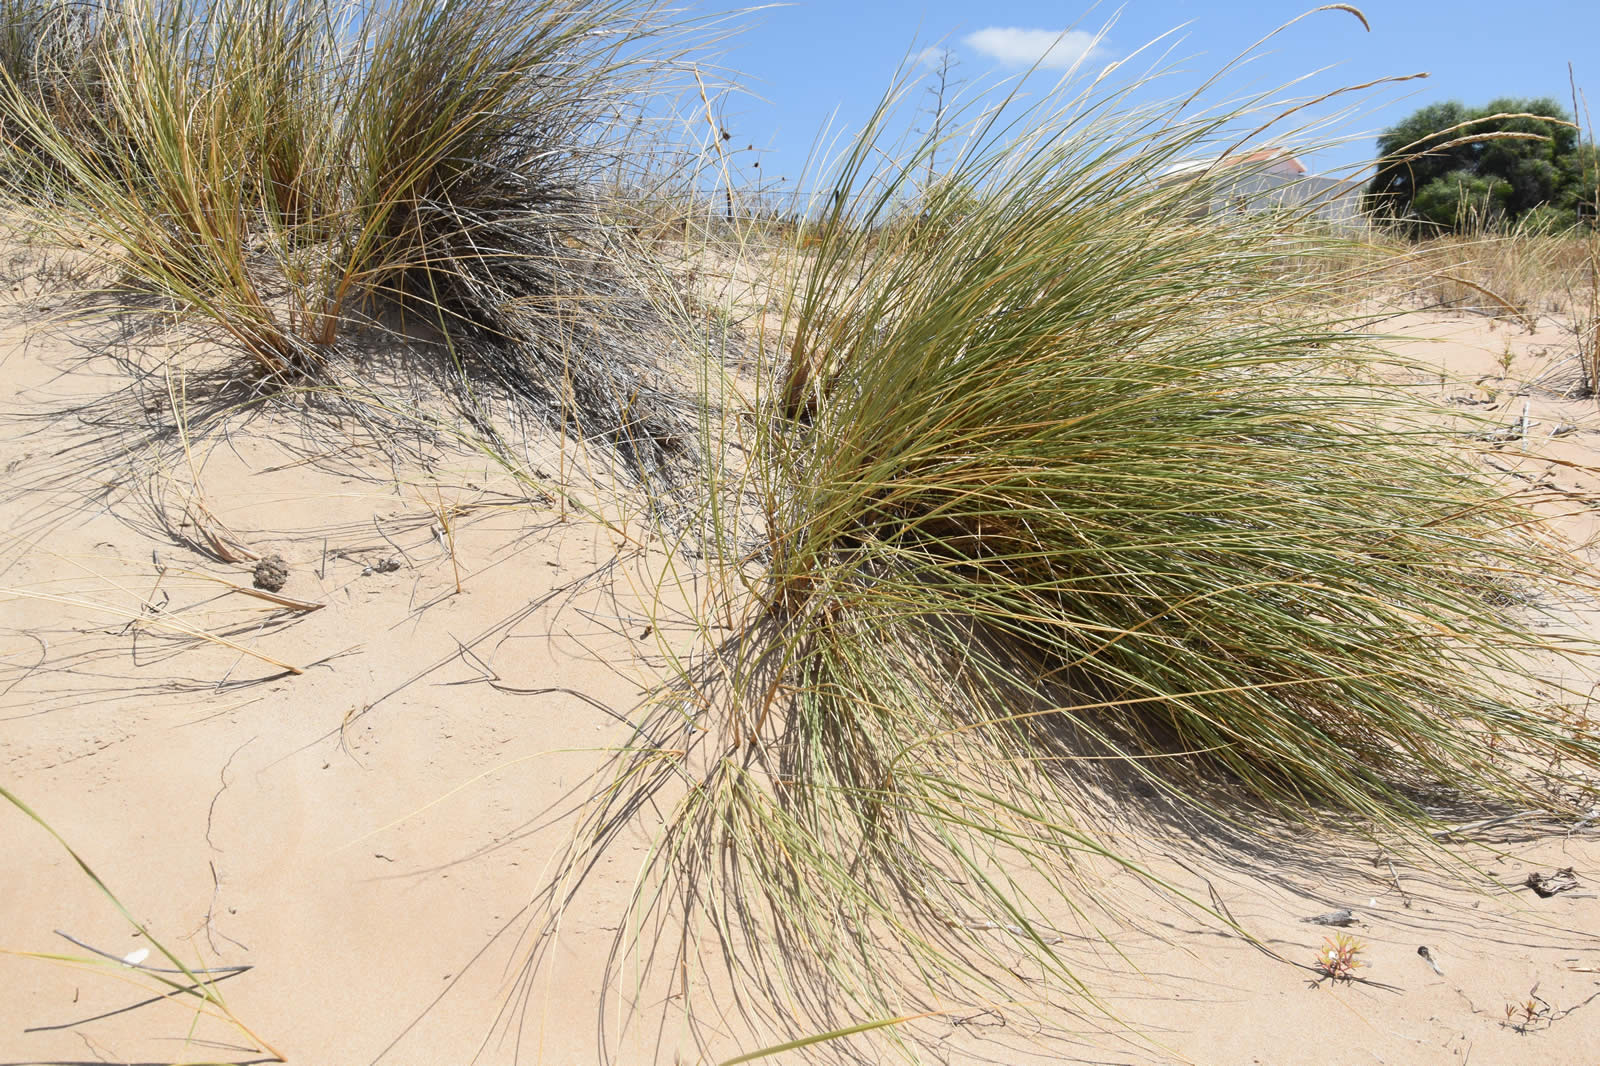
369 836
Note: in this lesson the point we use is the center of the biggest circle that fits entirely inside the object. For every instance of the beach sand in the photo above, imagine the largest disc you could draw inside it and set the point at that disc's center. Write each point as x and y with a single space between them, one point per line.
370 836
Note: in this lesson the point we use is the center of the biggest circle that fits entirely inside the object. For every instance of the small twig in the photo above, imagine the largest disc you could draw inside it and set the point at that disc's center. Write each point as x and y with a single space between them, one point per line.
1540 481
1487 823
1404 898
1557 1015
392 544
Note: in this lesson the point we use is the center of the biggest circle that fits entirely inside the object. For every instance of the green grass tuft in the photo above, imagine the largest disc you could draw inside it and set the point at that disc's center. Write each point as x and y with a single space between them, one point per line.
1074 507
301 174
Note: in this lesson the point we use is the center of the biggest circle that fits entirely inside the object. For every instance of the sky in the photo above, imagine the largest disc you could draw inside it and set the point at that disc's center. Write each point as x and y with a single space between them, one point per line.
812 69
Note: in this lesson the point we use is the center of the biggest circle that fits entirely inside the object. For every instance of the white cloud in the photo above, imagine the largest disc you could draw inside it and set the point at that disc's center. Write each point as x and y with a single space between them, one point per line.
1050 49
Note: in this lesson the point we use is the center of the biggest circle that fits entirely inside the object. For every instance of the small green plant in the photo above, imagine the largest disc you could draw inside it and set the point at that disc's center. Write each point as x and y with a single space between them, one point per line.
1527 1014
1337 958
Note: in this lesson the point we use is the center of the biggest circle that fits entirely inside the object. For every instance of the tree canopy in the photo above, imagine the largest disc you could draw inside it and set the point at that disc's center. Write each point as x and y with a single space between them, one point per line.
1448 167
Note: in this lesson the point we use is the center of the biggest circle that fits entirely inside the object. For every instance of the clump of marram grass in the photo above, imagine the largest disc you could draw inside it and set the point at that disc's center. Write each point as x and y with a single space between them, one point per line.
297 173
49 50
1077 503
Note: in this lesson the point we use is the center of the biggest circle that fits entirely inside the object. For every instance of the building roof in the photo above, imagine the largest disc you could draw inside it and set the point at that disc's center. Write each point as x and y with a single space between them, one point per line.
1272 158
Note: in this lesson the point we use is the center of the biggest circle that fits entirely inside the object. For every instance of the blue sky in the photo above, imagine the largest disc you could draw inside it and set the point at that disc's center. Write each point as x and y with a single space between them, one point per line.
805 62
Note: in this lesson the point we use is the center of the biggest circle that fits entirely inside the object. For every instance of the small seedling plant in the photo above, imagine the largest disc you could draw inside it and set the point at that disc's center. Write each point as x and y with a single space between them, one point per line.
1529 1014
1337 960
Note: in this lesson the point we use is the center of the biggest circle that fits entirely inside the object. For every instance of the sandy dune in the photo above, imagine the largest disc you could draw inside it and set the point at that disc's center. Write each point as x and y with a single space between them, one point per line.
367 836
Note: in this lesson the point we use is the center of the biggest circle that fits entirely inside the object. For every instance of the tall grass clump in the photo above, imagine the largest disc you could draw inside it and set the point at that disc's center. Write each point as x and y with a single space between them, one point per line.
1069 522
295 173
48 50
1519 274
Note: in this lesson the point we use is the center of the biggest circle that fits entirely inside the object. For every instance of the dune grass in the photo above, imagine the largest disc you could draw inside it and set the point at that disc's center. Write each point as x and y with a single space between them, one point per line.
1060 504
1528 279
1066 508
295 174
1519 275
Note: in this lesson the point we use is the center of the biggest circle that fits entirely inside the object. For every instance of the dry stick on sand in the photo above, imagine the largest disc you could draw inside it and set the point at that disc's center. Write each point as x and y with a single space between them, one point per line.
1405 898
1540 481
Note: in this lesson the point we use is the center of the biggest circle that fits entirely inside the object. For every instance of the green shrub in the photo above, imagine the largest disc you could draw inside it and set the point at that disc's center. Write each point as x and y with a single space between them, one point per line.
1449 168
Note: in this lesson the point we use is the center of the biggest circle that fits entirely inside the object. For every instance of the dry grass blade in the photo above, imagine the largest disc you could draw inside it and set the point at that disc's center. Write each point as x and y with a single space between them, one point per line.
160 621
823 1038
200 987
290 602
1510 307
223 541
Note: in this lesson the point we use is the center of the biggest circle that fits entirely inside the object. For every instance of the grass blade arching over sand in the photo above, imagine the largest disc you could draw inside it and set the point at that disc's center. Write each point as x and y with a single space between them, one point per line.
198 985
1077 506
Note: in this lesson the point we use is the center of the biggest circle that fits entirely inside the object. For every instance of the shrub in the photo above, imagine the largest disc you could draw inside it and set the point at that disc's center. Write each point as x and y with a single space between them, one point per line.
1449 168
